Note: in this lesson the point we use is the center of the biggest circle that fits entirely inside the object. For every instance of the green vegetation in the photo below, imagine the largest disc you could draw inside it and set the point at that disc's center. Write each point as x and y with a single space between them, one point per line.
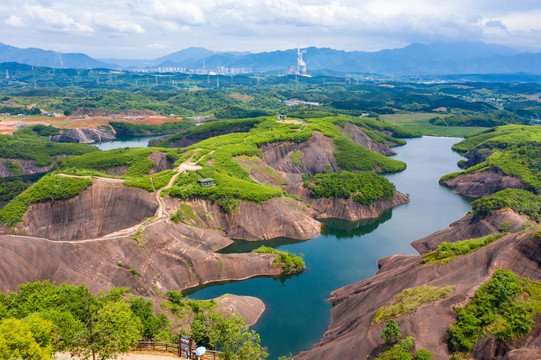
290 263
123 128
10 188
57 318
39 149
521 201
152 183
183 307
399 349
364 187
234 182
296 157
497 118
501 137
129 162
49 188
229 334
518 153
351 156
503 307
213 128
448 251
409 300
420 122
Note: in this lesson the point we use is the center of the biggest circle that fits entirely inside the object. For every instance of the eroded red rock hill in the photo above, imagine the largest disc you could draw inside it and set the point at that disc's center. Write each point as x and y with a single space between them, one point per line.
352 334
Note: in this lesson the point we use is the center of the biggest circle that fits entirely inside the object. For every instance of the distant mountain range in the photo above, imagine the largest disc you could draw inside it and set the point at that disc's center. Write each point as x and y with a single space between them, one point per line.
416 59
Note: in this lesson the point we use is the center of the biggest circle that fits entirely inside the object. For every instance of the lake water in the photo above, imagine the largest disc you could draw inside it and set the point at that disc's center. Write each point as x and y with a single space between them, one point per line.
136 141
297 309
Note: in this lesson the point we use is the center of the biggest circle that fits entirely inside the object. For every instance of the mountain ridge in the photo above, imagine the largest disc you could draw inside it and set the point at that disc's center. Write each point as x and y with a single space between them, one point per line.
437 58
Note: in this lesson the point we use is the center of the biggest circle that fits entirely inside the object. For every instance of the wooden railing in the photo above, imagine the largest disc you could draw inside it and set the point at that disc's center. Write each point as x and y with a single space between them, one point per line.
158 346
174 349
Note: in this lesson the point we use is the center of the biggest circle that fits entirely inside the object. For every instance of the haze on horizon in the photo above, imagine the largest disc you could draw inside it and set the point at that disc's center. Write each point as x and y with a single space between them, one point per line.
146 29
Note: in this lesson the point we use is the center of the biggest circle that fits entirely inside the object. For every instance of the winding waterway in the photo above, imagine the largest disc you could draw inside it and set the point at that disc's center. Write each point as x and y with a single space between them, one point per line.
297 310
136 141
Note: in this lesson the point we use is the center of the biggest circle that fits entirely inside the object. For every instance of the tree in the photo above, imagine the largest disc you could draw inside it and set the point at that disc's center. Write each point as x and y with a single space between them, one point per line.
391 332
229 333
29 339
116 330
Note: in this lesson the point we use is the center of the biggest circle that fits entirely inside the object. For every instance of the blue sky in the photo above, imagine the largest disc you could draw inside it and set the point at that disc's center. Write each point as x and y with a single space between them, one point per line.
151 28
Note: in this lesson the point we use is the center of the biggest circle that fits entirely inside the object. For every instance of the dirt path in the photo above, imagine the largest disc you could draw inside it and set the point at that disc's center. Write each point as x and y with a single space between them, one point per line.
159 216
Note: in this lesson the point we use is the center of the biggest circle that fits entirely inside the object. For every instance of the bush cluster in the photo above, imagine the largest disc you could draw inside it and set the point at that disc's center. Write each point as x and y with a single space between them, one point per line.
503 307
364 187
290 263
521 201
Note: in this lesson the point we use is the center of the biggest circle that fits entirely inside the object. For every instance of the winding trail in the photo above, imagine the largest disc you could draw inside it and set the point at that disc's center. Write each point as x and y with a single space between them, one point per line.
160 215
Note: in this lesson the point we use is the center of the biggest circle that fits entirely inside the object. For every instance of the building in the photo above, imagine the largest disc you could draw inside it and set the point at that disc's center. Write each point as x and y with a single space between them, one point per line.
206 182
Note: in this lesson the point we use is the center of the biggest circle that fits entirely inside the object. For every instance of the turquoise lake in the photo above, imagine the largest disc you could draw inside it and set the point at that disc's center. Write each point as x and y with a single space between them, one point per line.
297 309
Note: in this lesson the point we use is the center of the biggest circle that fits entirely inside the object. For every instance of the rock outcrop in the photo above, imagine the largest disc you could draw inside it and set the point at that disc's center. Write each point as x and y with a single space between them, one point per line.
28 167
101 209
471 227
84 136
346 209
167 256
249 307
313 156
353 336
483 183
275 218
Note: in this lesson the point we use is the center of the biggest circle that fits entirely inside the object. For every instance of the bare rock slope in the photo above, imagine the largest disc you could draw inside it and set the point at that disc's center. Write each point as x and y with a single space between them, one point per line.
352 334
483 183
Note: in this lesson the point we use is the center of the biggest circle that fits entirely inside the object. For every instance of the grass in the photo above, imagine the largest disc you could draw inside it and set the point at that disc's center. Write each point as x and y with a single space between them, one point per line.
420 122
48 188
290 263
409 300
448 251
503 307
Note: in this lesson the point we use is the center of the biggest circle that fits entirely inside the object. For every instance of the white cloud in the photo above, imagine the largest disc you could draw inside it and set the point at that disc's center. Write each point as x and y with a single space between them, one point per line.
157 46
14 21
56 20
182 11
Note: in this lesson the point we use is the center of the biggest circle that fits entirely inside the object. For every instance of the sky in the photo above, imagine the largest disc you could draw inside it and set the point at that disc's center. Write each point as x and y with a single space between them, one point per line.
147 29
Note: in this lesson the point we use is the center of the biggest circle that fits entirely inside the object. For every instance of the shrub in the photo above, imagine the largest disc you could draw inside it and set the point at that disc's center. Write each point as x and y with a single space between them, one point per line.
503 307
290 263
448 251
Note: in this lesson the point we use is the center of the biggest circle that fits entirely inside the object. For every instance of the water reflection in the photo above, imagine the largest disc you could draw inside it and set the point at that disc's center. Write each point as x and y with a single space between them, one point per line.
343 229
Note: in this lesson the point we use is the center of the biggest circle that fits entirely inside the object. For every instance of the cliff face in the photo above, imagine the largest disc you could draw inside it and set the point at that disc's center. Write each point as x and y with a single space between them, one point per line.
84 136
471 227
310 157
352 335
272 219
346 209
28 167
477 156
356 134
101 209
483 183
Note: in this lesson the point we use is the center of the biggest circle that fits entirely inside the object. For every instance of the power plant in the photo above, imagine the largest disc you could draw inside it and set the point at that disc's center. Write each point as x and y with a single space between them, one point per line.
301 65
